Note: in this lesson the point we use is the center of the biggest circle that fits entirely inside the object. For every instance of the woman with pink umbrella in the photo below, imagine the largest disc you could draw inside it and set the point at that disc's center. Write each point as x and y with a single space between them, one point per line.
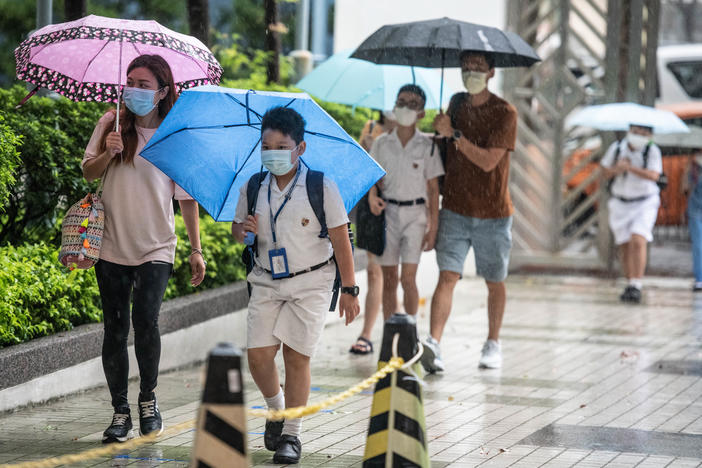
138 245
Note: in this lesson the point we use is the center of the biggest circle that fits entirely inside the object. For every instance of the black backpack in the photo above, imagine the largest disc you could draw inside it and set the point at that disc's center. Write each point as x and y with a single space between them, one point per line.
314 184
662 181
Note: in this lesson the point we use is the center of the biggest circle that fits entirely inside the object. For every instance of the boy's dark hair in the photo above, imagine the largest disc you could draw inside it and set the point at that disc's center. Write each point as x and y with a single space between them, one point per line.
642 126
489 58
287 121
414 89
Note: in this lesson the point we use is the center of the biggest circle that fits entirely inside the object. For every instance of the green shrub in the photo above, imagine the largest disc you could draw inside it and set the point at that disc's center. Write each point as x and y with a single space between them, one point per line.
54 134
222 252
41 297
9 159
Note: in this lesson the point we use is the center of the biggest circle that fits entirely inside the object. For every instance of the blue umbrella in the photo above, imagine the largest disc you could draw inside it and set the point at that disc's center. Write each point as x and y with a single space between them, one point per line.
619 115
210 144
361 83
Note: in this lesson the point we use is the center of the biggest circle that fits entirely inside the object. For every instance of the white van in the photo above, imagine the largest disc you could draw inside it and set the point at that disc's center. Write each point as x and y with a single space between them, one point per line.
679 73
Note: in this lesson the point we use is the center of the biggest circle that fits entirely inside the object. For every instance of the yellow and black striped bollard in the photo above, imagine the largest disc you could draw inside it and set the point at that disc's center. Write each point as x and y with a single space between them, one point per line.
397 431
221 436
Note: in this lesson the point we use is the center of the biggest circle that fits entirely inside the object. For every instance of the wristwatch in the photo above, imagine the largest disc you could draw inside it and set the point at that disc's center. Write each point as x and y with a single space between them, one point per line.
457 134
353 290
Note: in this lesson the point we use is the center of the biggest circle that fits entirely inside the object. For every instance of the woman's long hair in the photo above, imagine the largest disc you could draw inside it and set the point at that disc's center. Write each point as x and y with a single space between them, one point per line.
162 71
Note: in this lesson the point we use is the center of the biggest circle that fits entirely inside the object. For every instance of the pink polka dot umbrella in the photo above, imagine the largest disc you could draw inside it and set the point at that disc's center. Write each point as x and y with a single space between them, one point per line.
87 59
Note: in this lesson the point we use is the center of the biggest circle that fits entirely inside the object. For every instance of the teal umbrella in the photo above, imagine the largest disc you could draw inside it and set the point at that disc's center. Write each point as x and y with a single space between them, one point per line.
360 83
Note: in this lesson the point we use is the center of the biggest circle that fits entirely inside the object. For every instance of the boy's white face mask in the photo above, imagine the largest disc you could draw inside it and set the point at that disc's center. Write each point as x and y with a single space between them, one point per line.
405 116
474 81
637 141
278 162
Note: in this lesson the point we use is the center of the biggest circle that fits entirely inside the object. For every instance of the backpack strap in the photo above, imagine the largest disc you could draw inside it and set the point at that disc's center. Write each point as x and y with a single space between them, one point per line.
252 189
315 193
645 155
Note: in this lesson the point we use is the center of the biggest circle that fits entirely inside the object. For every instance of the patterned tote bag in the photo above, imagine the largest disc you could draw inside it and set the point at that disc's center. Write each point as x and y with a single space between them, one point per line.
81 231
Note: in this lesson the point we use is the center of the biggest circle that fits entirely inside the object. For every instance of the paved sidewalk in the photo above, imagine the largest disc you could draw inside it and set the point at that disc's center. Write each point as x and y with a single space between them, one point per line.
587 382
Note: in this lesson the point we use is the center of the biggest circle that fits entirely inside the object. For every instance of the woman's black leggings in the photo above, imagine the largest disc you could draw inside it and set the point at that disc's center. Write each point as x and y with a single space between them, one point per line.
143 286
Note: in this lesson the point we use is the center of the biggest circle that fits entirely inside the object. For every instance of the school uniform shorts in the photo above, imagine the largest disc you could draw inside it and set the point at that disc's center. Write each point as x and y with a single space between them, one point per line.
405 227
290 311
491 240
627 218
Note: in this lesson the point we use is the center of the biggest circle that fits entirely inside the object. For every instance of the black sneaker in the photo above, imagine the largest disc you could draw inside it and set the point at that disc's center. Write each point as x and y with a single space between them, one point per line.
149 416
120 430
288 451
272 434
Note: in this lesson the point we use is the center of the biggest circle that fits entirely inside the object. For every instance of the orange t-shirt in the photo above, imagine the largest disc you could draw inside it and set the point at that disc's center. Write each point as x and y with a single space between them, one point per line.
468 190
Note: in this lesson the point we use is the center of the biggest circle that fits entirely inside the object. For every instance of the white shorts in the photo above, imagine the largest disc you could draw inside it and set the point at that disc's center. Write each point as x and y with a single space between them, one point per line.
627 218
404 233
290 311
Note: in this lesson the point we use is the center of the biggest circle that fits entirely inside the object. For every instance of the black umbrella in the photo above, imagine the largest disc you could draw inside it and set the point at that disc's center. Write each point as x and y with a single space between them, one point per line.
439 43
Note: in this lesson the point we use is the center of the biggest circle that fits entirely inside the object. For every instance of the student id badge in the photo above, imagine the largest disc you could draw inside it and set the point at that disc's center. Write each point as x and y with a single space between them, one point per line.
279 263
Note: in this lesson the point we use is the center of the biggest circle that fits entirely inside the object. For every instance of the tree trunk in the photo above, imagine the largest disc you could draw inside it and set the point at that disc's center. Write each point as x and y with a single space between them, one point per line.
273 45
199 20
74 9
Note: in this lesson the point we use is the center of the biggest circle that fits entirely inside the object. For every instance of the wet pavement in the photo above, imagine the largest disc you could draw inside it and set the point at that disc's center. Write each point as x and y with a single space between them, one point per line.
587 382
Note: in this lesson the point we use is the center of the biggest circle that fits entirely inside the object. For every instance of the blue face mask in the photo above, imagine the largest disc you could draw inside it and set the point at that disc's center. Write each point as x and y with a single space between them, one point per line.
140 101
277 161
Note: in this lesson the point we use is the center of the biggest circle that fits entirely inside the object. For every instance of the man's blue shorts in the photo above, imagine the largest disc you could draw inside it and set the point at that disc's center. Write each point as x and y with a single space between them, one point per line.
490 238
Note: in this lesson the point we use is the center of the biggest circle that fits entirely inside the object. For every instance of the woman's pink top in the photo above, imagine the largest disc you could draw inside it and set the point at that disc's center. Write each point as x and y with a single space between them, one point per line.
139 221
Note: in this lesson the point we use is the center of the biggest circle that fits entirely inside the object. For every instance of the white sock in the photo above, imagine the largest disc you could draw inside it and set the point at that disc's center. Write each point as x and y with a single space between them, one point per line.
292 427
276 402
636 283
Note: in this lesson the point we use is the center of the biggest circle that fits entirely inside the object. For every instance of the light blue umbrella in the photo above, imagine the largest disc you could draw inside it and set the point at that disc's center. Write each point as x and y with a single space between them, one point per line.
210 145
360 83
618 116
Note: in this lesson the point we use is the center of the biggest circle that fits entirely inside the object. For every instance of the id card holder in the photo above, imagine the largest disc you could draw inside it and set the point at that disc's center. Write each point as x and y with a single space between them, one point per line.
279 263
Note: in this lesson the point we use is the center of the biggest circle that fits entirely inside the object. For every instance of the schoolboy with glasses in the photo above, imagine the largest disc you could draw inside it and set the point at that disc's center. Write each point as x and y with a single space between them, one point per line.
410 199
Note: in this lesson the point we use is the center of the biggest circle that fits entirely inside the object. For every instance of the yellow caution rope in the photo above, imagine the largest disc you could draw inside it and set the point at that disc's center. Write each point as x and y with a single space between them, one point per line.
297 412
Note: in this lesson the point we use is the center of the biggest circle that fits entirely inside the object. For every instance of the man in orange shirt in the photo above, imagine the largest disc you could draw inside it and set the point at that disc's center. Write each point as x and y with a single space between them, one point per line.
477 208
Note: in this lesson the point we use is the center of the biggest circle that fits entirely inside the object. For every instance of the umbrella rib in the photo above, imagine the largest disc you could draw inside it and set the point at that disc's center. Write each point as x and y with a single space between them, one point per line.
85 72
253 148
244 106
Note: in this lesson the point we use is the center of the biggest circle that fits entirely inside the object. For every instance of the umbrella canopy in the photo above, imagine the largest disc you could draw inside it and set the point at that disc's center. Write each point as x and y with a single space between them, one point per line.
86 59
439 43
691 140
210 144
620 115
361 83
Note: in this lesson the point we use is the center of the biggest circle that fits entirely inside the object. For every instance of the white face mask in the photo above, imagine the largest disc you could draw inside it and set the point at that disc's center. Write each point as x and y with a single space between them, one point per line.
637 141
405 116
474 81
278 162
389 115
698 159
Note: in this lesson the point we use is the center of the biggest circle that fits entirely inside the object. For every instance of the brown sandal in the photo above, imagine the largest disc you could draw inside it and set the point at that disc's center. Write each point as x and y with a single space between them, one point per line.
361 346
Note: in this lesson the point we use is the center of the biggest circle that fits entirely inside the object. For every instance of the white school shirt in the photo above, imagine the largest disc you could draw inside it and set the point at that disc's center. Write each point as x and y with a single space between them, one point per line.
631 185
297 228
407 168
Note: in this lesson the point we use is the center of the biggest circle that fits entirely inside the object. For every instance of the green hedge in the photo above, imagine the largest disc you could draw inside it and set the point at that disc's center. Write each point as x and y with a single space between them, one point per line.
40 297
54 134
9 159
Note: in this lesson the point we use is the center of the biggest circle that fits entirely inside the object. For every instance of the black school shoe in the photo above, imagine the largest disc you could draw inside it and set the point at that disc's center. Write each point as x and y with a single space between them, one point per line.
121 427
631 294
272 434
149 415
288 451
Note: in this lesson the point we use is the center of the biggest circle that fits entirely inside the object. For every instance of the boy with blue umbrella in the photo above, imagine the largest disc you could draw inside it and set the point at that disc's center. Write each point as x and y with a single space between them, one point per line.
293 273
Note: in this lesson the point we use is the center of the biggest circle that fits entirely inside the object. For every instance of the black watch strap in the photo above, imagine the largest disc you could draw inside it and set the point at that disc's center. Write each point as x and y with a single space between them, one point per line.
352 290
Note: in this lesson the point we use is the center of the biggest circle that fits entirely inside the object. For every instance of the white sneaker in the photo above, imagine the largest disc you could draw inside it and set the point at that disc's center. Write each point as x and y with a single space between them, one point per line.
491 355
431 357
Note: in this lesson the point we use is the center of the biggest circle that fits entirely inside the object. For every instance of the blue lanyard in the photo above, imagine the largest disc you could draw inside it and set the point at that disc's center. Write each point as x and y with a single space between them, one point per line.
273 219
